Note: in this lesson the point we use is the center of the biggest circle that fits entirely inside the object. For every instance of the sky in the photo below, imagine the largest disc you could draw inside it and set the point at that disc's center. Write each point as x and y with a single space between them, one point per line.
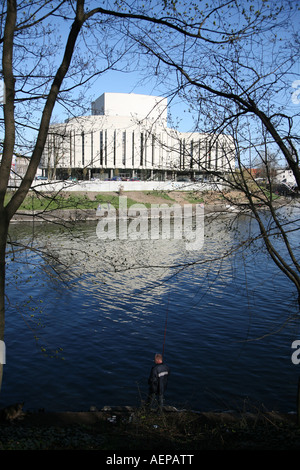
132 82
119 82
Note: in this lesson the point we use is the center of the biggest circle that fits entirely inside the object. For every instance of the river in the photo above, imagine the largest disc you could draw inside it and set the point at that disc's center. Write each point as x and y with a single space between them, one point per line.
85 318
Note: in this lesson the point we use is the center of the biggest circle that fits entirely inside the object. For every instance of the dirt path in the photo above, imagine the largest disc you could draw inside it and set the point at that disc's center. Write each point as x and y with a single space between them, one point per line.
160 197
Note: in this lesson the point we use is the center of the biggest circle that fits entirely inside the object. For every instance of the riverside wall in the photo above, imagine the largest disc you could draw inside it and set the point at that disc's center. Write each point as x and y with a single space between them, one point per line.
117 186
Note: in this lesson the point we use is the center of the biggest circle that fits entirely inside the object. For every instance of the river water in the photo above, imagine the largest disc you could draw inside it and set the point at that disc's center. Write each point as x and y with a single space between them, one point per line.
86 316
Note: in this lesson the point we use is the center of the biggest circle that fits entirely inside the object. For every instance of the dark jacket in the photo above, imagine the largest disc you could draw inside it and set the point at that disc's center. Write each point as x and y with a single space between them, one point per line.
158 378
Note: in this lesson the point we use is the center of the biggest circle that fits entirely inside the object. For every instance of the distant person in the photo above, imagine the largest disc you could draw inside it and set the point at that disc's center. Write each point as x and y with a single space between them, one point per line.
157 382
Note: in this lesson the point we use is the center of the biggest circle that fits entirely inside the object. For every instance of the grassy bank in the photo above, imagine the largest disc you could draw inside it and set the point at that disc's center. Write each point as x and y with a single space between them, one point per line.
50 202
91 200
173 432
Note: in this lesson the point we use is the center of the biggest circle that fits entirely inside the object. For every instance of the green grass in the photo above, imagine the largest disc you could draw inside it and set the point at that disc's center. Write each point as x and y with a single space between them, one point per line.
160 194
113 200
48 203
194 198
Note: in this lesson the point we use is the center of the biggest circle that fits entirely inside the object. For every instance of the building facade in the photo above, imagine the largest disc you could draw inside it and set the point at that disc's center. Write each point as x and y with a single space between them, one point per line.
126 136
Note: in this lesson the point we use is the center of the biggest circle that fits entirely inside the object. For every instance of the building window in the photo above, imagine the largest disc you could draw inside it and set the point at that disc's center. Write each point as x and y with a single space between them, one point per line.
115 147
192 154
145 149
124 148
199 155
105 148
71 151
224 159
209 154
161 156
92 145
132 155
82 148
180 154
101 148
153 149
183 155
142 149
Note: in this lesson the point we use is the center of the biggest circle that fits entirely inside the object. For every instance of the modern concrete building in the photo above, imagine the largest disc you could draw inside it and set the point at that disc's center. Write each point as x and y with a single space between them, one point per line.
127 136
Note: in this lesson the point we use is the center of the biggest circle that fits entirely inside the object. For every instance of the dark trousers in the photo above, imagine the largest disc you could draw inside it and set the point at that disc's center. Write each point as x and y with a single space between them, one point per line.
155 398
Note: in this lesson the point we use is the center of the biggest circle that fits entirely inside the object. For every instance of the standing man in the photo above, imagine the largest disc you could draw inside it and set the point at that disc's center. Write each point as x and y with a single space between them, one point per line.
157 381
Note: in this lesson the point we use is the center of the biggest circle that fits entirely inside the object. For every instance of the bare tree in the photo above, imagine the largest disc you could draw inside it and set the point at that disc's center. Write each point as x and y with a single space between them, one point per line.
233 64
36 62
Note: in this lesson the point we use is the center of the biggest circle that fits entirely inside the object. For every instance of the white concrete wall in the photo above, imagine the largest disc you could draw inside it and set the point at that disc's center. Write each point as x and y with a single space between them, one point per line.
138 106
114 186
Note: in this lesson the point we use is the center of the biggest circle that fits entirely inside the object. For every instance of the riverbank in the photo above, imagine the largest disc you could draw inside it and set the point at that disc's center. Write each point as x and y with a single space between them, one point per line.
83 206
127 429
